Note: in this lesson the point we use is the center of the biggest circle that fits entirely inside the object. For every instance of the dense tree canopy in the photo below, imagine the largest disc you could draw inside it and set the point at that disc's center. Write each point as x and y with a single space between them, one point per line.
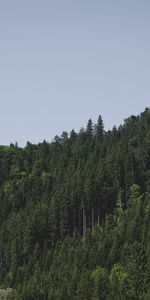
74 214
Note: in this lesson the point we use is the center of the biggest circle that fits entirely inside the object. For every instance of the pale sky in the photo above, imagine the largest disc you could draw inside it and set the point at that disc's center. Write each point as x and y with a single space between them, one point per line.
65 61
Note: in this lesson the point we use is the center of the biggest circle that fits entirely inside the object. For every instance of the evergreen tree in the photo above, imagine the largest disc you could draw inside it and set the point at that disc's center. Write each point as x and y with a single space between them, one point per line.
52 193
99 127
89 128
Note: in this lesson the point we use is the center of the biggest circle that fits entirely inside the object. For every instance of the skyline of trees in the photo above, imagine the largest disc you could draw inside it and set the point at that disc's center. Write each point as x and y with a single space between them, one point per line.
74 214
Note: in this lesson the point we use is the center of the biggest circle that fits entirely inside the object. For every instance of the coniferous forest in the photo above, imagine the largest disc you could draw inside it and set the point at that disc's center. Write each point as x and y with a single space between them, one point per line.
75 214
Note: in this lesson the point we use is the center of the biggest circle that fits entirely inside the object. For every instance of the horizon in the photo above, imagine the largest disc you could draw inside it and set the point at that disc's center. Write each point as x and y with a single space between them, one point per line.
78 131
64 63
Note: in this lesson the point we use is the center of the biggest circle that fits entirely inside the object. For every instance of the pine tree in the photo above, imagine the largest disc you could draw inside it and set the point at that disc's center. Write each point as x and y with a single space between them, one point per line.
99 127
89 128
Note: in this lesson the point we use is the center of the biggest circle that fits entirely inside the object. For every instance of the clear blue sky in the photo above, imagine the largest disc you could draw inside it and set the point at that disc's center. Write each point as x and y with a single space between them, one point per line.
64 61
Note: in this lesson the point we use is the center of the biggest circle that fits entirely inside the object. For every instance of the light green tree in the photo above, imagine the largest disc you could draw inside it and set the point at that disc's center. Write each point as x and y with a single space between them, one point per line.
118 282
101 284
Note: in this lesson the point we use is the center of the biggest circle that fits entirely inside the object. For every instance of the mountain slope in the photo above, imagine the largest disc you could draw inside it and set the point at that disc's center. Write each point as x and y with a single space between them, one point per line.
74 214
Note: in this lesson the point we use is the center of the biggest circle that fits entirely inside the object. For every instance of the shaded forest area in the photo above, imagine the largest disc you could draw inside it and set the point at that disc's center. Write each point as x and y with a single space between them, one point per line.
75 215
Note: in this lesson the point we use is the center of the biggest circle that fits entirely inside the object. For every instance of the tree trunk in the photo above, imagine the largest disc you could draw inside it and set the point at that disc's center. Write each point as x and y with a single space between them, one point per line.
98 218
92 218
84 222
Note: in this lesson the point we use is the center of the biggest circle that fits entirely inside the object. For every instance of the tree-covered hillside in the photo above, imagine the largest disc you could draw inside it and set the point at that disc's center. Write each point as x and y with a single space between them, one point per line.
75 214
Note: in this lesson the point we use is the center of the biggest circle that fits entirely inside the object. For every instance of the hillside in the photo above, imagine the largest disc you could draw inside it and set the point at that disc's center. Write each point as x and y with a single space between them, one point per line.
75 214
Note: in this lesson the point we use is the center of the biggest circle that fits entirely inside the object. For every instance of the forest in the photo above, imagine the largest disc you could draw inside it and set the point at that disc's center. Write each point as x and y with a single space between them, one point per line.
75 214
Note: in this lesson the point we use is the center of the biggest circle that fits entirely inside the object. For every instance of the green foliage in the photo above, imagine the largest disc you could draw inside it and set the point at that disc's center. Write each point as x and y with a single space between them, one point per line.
135 191
138 271
49 191
100 277
118 282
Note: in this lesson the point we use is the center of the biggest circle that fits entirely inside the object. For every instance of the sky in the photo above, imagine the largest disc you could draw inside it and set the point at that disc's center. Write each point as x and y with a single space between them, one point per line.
65 61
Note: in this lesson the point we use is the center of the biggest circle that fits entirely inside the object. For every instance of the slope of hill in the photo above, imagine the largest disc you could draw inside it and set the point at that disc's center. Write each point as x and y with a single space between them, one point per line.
74 214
